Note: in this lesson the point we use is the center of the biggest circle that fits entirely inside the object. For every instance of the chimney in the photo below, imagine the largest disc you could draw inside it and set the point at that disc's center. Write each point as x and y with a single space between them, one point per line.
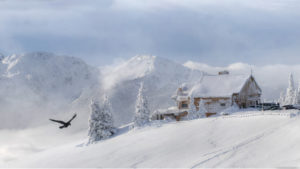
225 72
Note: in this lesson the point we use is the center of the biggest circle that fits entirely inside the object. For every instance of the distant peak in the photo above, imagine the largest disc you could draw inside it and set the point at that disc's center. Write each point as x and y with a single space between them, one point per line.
144 57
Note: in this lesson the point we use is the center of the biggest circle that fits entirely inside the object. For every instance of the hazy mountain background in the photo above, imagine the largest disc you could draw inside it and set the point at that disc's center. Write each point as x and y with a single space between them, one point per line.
36 86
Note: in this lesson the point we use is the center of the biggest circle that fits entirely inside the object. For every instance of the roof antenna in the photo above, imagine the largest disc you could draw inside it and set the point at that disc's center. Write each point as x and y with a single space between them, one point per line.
251 70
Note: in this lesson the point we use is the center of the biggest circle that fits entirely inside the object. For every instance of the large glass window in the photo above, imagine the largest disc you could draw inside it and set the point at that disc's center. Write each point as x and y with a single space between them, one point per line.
184 105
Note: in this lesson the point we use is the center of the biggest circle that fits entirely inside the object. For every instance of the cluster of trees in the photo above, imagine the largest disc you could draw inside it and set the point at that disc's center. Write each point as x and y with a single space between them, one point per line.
292 95
101 125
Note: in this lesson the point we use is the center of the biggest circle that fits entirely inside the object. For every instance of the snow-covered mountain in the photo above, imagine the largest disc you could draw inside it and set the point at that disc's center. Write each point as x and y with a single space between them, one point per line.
33 85
161 78
37 86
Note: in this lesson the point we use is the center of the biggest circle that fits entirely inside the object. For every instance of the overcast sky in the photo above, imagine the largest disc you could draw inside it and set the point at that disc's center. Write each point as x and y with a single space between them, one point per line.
216 32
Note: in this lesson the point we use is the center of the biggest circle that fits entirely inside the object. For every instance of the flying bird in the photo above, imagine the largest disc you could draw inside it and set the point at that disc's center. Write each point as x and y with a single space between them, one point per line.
64 124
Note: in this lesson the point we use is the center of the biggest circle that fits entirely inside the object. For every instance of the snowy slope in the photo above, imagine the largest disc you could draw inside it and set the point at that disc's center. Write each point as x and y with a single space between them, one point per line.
161 78
34 85
260 140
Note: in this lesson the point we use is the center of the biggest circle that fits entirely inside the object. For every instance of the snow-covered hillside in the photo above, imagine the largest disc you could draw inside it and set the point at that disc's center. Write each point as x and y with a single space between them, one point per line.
260 139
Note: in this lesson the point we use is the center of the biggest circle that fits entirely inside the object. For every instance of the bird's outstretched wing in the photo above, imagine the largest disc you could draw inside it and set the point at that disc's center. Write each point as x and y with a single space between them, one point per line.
58 121
72 118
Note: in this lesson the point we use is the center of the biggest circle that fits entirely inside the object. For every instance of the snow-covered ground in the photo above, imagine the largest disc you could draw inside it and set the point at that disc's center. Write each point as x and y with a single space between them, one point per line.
258 139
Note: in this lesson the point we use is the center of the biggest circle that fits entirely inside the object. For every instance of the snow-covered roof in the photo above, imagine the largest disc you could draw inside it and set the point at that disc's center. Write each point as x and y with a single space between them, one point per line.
218 85
182 98
170 110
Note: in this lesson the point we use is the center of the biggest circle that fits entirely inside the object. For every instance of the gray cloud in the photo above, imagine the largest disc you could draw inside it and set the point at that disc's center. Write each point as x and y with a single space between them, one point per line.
216 32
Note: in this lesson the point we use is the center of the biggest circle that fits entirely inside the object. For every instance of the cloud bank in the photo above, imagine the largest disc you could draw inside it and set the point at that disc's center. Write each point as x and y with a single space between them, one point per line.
210 31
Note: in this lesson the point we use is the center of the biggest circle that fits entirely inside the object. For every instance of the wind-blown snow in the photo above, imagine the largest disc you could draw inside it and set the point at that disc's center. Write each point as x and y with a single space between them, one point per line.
134 68
161 78
261 140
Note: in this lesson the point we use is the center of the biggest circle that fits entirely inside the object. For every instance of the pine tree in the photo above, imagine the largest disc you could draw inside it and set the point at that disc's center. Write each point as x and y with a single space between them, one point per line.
193 112
101 121
202 110
290 92
142 112
282 98
297 94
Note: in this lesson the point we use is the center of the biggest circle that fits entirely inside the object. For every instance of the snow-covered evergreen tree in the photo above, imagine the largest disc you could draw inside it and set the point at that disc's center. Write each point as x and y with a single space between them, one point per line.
202 110
101 121
290 92
193 112
282 98
142 112
297 94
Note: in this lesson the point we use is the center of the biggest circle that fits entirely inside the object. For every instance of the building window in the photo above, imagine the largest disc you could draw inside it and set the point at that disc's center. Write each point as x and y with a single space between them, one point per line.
184 105
223 104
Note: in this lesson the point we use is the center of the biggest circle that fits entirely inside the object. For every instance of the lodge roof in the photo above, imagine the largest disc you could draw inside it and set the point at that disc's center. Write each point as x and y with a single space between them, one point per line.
215 86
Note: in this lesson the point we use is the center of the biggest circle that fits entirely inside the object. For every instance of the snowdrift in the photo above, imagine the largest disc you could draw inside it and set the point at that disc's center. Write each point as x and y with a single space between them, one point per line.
261 140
